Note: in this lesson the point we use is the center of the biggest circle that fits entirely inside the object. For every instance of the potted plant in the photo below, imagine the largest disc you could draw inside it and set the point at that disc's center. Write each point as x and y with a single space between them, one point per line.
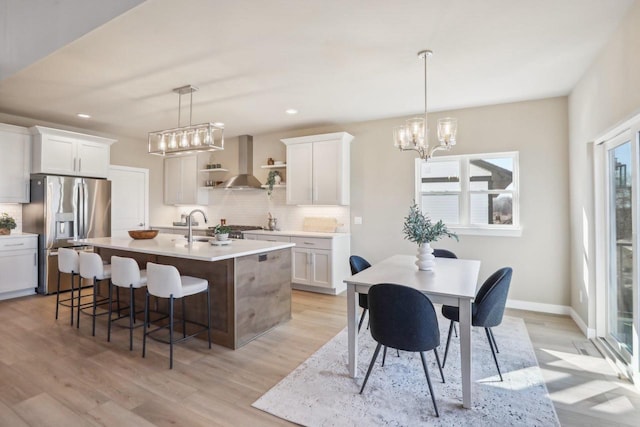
273 179
221 232
7 223
419 228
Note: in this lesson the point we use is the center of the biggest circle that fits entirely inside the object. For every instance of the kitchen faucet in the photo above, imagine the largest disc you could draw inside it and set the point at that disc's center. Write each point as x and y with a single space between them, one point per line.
190 231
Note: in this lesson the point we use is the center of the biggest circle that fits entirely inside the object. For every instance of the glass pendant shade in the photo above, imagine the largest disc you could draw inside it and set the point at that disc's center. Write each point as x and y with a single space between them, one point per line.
447 130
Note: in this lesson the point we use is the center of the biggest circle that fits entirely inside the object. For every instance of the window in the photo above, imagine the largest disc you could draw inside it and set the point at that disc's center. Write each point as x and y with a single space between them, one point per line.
472 194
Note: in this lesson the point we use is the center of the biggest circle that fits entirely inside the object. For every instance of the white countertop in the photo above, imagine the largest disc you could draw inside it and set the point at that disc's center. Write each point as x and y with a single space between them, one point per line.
297 233
176 246
14 234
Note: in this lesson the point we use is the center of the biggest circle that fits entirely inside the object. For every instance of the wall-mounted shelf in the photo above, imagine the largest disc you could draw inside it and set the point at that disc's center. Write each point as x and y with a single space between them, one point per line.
214 170
212 187
274 186
282 166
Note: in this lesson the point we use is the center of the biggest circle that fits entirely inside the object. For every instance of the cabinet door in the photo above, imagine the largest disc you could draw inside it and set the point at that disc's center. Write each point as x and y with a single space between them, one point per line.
14 167
93 159
58 155
299 174
301 266
172 180
190 181
321 268
327 172
18 270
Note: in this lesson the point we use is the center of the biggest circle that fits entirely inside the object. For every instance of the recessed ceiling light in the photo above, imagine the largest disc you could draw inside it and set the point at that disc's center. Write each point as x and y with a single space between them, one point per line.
83 116
291 111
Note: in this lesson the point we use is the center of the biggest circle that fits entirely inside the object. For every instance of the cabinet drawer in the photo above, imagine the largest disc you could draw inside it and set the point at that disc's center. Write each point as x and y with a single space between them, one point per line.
311 242
18 243
267 238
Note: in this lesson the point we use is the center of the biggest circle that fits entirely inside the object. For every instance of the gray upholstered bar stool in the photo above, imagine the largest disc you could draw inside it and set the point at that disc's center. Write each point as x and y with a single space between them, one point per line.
92 268
68 263
164 281
125 273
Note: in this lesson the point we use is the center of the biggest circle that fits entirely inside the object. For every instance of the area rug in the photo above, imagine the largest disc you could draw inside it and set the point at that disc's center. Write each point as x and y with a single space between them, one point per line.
320 392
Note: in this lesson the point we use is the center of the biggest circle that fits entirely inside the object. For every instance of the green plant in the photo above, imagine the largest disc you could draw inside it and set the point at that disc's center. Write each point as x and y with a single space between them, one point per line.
419 228
7 222
271 180
221 229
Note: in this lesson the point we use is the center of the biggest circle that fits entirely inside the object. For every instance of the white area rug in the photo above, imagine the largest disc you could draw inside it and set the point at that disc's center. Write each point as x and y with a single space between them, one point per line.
320 392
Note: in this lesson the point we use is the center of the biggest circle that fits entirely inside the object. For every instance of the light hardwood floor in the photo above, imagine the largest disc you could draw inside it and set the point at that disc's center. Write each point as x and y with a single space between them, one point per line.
52 374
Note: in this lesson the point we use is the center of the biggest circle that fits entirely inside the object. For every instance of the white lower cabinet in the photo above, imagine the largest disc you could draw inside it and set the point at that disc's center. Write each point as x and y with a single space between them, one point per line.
318 264
18 266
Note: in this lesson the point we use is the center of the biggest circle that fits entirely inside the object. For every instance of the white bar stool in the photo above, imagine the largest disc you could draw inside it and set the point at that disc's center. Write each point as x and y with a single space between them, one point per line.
91 267
125 273
68 263
164 281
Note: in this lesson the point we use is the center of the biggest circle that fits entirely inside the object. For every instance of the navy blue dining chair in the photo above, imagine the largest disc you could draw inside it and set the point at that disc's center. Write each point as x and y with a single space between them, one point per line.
357 264
443 253
403 318
487 310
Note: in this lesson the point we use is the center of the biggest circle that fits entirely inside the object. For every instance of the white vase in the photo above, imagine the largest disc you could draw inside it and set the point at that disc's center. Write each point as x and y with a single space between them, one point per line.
425 259
277 179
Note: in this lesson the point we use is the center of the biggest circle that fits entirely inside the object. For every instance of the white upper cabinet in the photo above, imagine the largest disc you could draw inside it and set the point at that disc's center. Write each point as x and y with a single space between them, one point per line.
318 169
15 146
61 152
181 182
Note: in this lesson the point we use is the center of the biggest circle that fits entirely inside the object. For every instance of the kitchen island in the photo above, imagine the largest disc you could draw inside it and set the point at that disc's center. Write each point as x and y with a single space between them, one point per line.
250 281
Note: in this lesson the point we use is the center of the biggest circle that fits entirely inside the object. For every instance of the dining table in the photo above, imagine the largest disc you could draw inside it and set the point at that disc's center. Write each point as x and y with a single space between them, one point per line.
452 282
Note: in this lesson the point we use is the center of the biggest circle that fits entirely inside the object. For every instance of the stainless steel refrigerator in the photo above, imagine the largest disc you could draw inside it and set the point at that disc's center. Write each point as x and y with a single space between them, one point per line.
64 209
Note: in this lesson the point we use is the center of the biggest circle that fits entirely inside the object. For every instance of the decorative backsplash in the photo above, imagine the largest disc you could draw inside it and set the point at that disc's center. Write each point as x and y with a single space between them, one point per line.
15 210
253 208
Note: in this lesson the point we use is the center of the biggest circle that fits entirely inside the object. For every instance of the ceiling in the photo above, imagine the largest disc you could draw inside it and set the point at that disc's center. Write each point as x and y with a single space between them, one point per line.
336 61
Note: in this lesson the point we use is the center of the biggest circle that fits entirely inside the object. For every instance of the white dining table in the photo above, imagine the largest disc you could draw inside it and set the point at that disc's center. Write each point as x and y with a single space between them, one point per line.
452 282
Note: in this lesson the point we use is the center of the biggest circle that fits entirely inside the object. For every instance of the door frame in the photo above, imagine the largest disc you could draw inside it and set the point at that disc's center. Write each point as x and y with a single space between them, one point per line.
629 130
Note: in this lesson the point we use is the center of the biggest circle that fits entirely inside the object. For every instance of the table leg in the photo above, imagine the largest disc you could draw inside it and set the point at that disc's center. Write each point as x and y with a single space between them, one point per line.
352 331
465 350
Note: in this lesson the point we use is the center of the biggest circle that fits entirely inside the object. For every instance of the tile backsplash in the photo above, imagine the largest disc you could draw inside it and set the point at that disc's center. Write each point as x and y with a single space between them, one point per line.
14 210
253 208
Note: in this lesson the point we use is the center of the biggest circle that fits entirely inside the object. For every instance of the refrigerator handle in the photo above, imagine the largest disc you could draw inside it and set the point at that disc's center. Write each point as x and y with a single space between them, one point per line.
76 210
85 208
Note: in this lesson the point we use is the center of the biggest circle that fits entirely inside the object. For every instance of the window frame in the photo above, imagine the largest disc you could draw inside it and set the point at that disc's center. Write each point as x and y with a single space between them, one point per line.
465 227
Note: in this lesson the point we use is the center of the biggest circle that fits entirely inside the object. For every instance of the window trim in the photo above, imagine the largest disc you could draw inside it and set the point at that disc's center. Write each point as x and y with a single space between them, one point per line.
465 227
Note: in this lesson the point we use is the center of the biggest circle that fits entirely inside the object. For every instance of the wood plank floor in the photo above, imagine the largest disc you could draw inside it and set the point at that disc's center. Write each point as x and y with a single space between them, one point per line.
54 375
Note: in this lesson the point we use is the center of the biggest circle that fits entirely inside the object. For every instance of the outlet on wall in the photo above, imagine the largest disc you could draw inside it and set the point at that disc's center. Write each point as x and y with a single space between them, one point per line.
357 220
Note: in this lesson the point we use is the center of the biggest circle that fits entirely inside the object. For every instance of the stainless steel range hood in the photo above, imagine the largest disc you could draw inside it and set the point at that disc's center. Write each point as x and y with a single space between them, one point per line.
244 180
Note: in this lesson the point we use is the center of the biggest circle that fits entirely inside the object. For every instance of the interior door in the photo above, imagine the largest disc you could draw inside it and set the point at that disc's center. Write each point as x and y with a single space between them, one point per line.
129 199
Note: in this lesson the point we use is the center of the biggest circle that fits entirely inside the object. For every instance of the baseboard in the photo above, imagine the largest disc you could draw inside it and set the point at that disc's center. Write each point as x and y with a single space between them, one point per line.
540 307
318 289
16 294
588 332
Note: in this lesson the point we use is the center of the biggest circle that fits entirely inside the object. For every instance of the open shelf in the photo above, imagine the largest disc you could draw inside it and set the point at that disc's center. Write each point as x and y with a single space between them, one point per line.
274 166
274 186
214 170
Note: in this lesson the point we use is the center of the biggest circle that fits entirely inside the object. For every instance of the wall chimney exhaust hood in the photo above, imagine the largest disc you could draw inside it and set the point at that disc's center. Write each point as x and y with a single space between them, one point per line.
245 179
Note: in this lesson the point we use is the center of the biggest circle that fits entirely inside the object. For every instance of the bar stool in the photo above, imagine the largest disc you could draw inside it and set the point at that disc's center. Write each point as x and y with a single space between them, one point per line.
68 263
164 281
91 267
125 273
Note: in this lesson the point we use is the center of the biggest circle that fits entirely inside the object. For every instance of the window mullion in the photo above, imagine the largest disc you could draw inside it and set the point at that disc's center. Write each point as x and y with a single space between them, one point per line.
465 195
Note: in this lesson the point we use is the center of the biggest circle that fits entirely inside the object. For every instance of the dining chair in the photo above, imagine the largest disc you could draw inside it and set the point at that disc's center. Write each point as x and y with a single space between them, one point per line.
358 264
403 318
487 310
443 253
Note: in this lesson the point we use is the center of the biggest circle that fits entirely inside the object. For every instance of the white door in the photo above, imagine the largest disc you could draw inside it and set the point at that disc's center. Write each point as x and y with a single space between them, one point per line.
129 199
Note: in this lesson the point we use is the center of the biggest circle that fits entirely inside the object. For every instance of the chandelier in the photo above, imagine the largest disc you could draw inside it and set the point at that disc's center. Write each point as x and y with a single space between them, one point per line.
187 139
414 135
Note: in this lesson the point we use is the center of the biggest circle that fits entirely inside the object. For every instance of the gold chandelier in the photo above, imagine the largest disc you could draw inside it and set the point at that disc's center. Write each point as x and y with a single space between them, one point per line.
414 135
187 139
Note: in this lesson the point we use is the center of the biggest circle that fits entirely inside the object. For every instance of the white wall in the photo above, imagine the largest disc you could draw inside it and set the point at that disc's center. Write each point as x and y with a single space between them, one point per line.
607 94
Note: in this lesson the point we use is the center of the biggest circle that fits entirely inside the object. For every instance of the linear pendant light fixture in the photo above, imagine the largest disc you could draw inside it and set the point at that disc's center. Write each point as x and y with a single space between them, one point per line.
414 135
187 139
